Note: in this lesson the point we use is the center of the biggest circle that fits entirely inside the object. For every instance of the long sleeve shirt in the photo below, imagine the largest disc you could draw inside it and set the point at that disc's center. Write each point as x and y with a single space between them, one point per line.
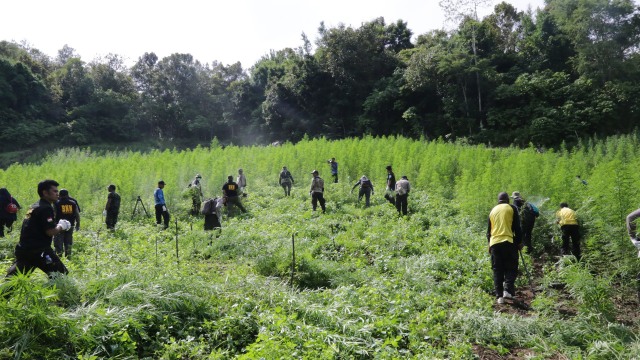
317 184
631 223
158 197
567 216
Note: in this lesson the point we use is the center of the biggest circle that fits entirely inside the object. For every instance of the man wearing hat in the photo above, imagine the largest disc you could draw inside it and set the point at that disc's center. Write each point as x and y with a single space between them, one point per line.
161 206
66 209
112 208
504 237
196 195
230 191
317 191
391 186
402 194
528 214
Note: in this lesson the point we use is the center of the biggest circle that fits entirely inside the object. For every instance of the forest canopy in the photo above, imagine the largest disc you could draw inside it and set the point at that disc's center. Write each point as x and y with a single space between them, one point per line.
561 73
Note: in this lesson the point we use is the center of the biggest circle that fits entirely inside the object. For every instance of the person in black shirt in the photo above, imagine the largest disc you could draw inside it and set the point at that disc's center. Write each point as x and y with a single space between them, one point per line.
34 249
230 191
112 208
66 209
391 186
8 209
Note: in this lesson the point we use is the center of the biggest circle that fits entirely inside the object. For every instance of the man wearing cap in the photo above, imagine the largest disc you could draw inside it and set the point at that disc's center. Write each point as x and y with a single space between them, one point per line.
38 227
568 221
66 209
286 180
391 186
161 206
196 195
230 191
366 189
528 214
504 237
112 208
317 191
402 194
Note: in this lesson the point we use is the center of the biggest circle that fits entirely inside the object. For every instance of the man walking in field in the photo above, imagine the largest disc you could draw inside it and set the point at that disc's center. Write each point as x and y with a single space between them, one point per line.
286 180
317 191
391 186
112 208
230 191
38 227
66 209
161 206
568 221
528 214
334 169
366 189
402 195
504 237
242 183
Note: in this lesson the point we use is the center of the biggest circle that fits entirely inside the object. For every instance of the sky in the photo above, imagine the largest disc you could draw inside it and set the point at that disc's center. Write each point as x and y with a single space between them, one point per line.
211 30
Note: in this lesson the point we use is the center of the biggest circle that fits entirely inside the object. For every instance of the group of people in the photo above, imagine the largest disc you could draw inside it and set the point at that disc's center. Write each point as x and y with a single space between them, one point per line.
510 230
57 214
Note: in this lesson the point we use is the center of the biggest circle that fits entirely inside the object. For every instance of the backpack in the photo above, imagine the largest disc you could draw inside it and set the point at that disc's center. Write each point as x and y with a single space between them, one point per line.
11 208
536 212
208 206
366 184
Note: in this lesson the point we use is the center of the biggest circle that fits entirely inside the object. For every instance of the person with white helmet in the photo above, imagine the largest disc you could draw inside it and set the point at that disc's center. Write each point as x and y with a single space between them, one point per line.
366 189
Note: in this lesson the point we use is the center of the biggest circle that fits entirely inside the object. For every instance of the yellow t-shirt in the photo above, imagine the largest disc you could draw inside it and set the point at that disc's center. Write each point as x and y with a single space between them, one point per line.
567 216
501 218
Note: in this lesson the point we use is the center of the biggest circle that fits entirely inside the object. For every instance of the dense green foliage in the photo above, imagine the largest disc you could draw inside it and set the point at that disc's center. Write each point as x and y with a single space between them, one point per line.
367 284
561 73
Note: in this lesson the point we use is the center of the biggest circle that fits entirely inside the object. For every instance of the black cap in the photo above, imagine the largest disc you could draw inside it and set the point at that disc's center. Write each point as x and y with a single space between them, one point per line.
64 192
111 187
161 182
503 197
230 177
388 167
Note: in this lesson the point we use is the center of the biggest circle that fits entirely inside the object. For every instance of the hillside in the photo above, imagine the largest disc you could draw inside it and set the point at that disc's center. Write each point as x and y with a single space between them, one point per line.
366 283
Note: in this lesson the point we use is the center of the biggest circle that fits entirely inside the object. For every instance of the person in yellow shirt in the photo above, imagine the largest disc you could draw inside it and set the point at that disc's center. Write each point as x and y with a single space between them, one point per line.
568 221
505 239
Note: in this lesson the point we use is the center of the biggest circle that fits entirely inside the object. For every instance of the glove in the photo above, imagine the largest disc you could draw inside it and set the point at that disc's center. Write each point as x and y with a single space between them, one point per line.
65 225
104 212
164 208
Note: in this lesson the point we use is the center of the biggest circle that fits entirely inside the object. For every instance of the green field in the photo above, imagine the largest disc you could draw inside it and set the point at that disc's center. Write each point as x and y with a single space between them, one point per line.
366 283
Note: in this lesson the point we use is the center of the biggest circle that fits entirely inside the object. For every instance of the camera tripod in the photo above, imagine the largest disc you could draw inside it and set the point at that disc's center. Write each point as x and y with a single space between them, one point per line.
139 200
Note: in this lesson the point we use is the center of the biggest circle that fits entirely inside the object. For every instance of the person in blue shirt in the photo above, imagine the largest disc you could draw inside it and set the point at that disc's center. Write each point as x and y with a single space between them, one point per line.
334 169
161 205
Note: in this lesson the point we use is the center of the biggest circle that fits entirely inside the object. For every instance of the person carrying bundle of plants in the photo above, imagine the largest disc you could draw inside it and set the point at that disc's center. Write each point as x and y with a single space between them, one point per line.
9 208
286 180
366 189
528 214
568 221
504 237
195 190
